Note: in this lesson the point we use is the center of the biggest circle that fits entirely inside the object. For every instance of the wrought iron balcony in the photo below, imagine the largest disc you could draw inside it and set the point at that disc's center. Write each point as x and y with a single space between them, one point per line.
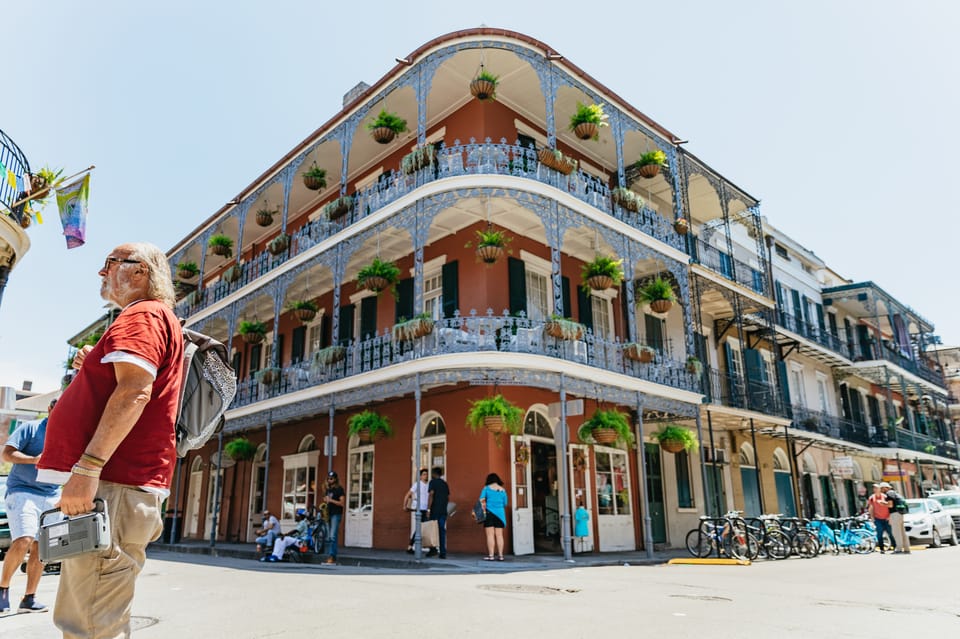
814 333
731 389
467 334
728 266
837 427
870 351
474 158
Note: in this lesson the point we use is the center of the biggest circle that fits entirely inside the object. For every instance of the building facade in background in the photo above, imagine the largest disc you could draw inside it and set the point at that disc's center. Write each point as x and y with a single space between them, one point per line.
802 388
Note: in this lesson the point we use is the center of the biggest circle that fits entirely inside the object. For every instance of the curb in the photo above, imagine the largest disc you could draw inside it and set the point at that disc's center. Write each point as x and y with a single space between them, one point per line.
694 561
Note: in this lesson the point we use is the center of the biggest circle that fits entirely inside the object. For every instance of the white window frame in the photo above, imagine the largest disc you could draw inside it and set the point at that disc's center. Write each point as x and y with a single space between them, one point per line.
536 265
606 298
823 394
432 268
797 386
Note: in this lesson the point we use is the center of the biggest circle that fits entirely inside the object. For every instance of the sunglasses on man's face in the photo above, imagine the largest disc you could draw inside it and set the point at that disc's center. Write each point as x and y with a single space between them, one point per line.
117 260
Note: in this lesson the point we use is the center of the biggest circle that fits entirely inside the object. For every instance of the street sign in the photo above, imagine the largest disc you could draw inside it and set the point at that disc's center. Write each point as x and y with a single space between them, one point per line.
574 407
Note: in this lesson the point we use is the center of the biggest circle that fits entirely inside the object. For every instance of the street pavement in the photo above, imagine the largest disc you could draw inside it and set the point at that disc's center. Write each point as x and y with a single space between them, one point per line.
200 595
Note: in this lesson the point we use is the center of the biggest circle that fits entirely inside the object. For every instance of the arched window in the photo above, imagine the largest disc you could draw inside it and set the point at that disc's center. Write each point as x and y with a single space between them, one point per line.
537 424
308 443
433 441
747 457
875 474
261 454
197 464
780 460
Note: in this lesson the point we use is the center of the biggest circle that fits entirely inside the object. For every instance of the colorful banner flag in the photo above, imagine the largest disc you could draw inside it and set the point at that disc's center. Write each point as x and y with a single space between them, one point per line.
72 202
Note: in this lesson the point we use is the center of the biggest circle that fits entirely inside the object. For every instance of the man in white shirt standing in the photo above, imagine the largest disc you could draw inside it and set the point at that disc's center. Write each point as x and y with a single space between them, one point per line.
417 498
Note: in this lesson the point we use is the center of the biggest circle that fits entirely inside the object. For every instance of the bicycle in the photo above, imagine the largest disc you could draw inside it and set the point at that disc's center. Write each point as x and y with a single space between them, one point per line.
803 541
772 541
726 535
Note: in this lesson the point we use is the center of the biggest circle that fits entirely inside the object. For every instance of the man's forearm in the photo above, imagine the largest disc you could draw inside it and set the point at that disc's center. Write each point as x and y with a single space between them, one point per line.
11 455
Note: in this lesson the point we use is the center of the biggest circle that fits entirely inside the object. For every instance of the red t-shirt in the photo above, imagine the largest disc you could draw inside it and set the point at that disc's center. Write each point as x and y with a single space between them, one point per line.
146 456
881 506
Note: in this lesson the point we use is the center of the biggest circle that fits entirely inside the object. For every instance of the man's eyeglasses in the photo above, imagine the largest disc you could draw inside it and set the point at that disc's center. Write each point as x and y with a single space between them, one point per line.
117 260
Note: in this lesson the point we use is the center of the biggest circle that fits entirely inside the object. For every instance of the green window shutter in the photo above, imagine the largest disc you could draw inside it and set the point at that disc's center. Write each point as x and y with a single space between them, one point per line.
653 332
733 383
784 387
237 362
758 391
584 307
873 408
298 344
255 351
797 311
404 307
450 275
345 332
517 279
368 317
856 406
866 341
565 296
778 288
845 401
684 491
326 329
278 352
820 321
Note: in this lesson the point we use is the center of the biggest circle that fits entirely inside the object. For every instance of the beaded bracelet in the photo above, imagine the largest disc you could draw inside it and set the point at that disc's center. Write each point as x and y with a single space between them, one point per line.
85 472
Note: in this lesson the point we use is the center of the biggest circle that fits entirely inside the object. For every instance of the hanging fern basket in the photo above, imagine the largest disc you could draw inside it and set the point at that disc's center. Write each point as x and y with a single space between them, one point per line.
264 218
305 314
383 134
604 435
672 445
482 89
376 283
661 306
494 424
490 253
637 354
252 338
313 183
649 171
586 130
600 282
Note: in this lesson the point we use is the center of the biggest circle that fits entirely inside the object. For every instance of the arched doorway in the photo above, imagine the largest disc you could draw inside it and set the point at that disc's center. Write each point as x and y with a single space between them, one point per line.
748 479
810 508
258 488
535 498
784 483
194 491
358 519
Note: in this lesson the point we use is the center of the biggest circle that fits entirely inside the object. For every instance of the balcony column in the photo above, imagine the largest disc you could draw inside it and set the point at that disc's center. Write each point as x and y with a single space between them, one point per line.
673 160
345 137
421 88
551 98
725 207
278 290
872 302
891 409
618 134
643 481
241 214
287 177
204 238
629 291
338 268
554 232
420 230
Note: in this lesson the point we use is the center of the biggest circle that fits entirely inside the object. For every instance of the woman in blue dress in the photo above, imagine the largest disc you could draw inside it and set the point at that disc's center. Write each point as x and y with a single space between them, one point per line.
494 500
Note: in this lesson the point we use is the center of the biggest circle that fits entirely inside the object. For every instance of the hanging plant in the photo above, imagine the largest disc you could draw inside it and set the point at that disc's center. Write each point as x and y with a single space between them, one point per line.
338 208
232 274
606 427
484 86
386 126
420 158
626 198
240 449
496 414
419 326
601 273
491 244
378 275
252 332
221 245
658 293
639 353
561 328
305 310
694 366
681 226
587 121
674 438
265 216
315 178
187 270
649 163
369 426
556 160
279 244
329 355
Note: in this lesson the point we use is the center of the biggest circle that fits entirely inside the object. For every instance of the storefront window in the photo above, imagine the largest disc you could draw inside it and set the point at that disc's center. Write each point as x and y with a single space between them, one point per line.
613 483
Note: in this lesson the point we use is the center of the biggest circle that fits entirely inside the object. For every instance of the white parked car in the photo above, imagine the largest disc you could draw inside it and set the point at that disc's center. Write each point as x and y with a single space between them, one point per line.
927 522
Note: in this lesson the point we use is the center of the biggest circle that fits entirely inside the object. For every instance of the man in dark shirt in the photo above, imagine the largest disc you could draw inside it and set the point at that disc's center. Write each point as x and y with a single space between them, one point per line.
438 500
335 500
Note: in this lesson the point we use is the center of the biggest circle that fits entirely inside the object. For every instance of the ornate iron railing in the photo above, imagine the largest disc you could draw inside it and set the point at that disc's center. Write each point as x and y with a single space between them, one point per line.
814 333
14 160
730 267
730 389
474 158
466 334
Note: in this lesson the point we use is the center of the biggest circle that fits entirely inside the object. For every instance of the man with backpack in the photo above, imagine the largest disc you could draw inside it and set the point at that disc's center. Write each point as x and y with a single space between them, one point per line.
898 508
112 437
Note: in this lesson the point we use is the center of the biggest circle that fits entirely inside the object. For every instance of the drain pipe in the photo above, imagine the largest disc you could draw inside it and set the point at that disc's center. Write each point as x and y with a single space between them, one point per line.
563 504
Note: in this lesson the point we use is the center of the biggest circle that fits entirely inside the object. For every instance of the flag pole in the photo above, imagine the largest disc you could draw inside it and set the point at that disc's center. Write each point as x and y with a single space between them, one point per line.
34 196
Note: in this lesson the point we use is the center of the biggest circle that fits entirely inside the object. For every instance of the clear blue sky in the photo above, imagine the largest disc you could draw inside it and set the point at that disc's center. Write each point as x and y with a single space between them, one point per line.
842 117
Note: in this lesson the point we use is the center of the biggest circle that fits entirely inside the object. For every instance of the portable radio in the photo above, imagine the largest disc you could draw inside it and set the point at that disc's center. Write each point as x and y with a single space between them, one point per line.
76 535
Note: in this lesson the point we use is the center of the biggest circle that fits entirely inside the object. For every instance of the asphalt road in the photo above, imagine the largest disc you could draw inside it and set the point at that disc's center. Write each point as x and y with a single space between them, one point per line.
874 596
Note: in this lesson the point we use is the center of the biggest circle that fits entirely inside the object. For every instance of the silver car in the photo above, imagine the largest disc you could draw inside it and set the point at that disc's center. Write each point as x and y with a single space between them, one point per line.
927 522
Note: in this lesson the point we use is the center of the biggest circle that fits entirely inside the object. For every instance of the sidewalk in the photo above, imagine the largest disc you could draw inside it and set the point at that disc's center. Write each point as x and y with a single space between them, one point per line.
398 559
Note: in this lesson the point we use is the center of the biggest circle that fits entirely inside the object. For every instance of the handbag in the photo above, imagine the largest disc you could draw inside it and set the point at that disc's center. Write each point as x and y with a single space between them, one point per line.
429 534
478 513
